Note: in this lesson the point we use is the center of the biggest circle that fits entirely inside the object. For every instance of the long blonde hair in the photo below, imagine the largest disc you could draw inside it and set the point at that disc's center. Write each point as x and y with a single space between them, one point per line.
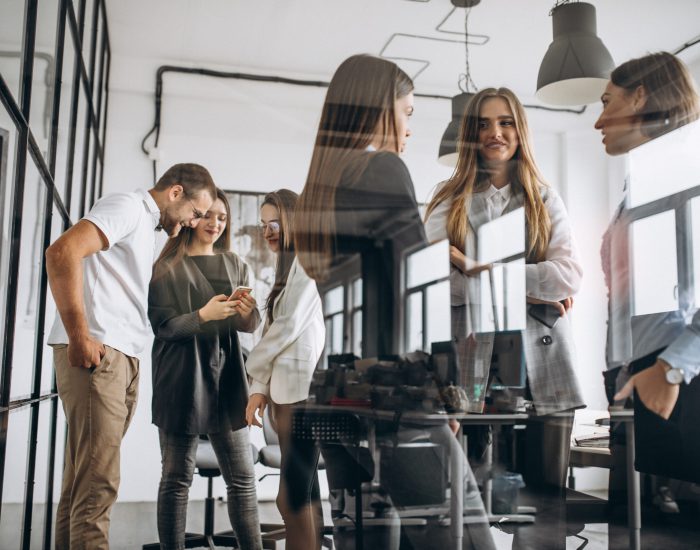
359 106
471 175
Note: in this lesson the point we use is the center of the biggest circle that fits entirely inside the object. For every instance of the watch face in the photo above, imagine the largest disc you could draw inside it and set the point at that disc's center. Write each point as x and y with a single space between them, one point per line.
674 376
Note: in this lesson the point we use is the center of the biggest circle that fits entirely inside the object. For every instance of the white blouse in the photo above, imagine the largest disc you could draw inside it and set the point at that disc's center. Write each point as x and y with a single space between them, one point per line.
555 278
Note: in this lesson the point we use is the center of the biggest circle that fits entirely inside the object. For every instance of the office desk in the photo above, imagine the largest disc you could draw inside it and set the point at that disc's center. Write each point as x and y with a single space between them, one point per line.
525 513
418 419
456 461
584 456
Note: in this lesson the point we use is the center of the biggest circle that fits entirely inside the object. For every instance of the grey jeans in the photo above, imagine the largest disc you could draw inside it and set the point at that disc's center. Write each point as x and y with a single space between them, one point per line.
178 452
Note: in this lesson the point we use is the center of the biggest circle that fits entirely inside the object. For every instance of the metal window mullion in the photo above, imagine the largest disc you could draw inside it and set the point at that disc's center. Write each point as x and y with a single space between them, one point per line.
38 365
80 62
12 283
93 41
424 317
347 315
684 259
100 81
45 173
426 285
34 150
86 151
70 159
661 205
30 22
51 466
104 122
16 221
57 79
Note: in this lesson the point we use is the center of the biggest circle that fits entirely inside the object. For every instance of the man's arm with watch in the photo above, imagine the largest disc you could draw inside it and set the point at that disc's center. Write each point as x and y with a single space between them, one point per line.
658 385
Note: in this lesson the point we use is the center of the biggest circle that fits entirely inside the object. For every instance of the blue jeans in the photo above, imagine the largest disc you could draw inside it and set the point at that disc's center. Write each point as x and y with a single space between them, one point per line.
233 454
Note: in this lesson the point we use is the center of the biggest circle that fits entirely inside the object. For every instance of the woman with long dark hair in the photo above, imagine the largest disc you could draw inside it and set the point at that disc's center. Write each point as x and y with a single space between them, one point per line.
199 383
651 109
359 201
281 366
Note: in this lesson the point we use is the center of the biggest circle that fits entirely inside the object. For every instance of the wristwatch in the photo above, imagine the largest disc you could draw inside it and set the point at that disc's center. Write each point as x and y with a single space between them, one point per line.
674 376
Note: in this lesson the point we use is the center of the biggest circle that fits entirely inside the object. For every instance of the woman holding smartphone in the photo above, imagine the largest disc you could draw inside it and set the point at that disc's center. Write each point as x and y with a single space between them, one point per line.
281 367
496 174
359 202
199 383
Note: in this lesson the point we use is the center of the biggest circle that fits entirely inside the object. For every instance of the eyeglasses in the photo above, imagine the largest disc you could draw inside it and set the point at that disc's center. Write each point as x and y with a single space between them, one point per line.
197 214
274 227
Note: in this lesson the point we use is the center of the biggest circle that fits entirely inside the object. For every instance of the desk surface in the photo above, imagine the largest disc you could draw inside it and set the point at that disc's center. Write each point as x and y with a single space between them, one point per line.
617 415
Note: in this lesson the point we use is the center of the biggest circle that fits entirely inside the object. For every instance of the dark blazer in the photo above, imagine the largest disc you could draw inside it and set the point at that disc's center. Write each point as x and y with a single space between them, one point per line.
377 217
194 391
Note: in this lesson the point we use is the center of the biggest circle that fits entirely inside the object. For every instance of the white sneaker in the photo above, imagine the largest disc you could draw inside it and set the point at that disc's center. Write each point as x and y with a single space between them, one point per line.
665 502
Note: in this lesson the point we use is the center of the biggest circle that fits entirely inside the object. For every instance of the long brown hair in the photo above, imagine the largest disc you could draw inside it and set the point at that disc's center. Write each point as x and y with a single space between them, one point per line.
471 175
284 201
359 107
176 248
671 97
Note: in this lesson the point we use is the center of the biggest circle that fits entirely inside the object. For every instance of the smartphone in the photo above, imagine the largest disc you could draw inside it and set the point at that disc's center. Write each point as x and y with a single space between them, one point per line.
546 314
240 292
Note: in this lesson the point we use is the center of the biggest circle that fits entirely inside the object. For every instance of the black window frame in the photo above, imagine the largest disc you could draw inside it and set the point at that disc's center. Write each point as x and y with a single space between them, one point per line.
86 77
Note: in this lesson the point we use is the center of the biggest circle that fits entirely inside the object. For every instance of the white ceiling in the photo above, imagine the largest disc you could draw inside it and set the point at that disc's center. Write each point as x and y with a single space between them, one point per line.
309 38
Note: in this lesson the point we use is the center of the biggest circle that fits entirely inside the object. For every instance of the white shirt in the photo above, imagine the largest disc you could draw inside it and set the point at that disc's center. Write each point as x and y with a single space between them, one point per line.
115 280
497 200
283 362
558 276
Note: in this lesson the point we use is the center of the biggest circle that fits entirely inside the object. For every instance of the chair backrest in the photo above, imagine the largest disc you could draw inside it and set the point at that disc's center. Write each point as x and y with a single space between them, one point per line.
269 432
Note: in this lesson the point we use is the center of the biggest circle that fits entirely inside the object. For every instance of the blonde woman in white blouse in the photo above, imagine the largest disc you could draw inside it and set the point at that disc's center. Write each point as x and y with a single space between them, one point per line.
496 174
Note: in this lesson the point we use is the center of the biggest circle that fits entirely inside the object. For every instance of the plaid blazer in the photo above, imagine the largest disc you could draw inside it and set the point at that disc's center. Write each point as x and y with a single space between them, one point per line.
549 352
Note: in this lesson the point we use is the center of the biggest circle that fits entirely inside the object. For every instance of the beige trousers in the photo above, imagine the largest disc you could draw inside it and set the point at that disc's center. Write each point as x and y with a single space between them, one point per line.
99 404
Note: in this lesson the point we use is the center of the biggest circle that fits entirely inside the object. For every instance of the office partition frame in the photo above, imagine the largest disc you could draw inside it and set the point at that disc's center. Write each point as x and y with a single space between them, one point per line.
90 76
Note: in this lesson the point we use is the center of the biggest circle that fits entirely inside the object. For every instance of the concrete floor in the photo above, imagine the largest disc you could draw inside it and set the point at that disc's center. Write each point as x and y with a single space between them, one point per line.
134 523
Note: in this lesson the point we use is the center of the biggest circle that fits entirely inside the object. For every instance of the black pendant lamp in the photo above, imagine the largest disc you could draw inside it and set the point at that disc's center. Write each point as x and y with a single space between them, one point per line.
447 153
577 64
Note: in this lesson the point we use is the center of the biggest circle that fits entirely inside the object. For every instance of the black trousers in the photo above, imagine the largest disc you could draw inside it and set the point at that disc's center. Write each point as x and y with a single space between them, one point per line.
669 448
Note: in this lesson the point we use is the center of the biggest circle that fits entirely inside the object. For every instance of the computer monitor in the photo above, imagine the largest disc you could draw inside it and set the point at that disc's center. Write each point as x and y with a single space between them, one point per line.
508 361
443 357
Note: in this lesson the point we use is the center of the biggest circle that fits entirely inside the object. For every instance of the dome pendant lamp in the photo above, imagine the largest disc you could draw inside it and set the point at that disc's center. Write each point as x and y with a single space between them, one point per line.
577 64
447 152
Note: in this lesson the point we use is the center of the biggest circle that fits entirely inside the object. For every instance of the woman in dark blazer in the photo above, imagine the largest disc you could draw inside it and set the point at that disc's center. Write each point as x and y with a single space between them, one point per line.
359 202
199 383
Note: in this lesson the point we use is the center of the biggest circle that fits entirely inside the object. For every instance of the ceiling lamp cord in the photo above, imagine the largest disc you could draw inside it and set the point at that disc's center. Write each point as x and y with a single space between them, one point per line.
465 80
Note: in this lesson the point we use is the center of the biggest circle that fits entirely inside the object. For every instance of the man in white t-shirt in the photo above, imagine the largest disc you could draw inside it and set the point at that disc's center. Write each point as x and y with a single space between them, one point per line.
99 271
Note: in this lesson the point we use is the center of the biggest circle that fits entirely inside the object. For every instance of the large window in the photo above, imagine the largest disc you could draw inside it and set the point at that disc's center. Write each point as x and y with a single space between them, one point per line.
53 106
427 297
342 311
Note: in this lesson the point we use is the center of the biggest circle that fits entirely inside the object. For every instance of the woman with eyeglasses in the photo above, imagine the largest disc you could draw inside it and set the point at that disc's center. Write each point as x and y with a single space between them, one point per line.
199 383
281 367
